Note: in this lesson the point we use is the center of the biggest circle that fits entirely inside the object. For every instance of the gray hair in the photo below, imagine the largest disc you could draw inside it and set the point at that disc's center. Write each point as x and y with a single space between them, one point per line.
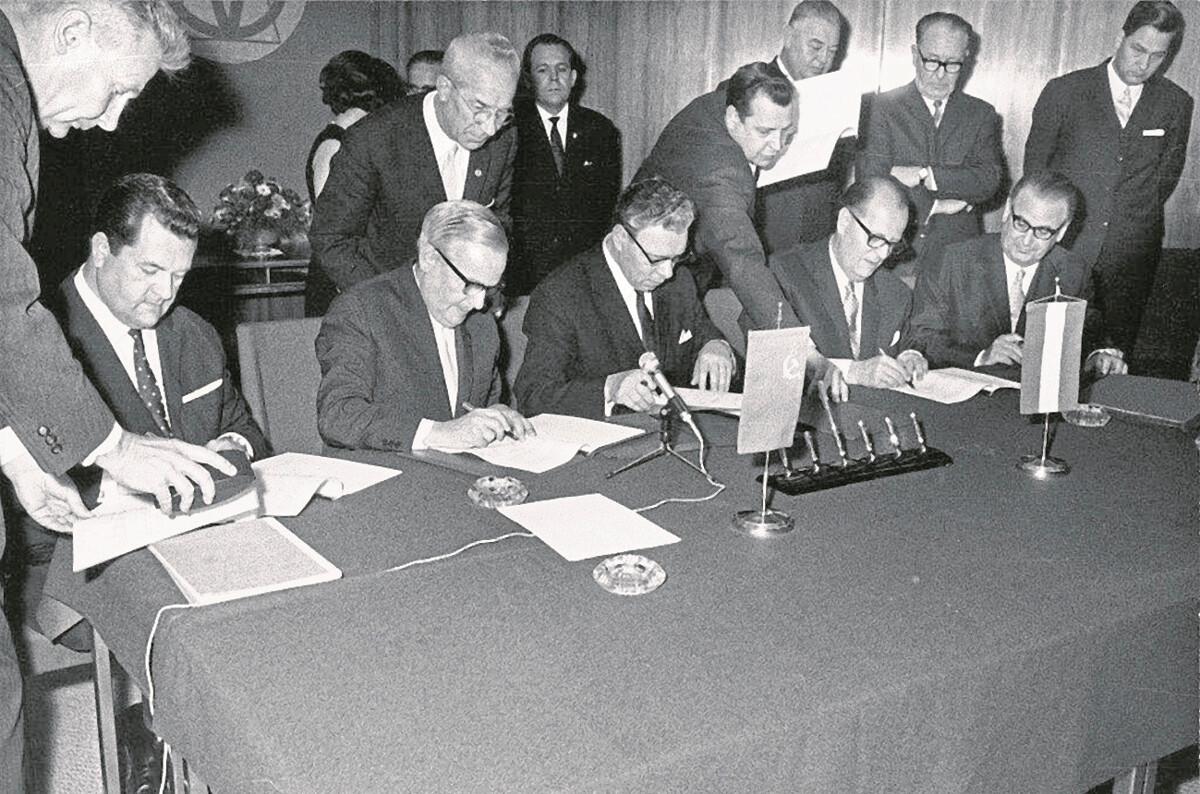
471 52
463 221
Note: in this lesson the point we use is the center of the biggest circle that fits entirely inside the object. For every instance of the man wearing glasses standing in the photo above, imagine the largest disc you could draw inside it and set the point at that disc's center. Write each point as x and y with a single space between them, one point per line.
942 144
970 311
858 313
408 358
451 143
590 320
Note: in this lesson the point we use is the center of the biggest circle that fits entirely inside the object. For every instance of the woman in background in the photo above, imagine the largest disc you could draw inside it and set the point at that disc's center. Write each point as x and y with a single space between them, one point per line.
353 84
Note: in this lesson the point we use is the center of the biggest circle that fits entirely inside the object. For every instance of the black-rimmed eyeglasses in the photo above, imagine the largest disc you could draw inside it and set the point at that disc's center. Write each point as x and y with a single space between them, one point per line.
874 240
469 287
652 261
933 64
1040 232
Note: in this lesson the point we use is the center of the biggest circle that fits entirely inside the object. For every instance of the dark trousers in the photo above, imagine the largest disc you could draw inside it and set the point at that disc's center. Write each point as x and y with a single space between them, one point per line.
1124 276
12 724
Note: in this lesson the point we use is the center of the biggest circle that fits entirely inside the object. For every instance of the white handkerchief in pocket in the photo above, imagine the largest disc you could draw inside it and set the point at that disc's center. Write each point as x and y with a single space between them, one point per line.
895 339
1153 133
203 390
685 335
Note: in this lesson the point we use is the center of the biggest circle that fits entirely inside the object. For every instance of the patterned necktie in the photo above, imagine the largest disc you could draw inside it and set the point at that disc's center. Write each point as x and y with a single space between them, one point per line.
1016 298
556 145
449 171
850 302
1124 105
937 112
147 386
646 320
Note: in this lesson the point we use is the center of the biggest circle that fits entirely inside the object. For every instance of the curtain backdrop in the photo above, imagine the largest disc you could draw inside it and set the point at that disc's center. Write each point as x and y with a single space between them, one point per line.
646 60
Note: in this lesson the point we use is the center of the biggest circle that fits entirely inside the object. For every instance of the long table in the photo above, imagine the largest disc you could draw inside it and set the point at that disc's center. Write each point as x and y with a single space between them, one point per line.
966 629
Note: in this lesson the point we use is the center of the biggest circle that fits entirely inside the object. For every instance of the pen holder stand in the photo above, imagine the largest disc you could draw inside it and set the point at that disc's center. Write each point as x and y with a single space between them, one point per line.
834 475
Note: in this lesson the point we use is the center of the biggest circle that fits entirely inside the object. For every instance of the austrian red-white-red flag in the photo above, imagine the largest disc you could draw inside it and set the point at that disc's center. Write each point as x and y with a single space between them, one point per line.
1052 353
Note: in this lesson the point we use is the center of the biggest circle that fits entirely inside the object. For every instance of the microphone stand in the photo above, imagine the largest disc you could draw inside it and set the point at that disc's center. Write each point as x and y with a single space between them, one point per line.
665 447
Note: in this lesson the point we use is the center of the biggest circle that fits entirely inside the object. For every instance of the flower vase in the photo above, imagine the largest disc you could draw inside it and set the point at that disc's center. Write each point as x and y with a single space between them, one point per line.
258 243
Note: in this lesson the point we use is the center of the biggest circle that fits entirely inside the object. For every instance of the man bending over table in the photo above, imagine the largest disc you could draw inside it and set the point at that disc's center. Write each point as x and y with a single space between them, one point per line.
409 358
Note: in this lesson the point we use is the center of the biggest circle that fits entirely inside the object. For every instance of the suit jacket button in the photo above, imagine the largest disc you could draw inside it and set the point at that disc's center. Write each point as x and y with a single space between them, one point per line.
43 430
51 439
57 448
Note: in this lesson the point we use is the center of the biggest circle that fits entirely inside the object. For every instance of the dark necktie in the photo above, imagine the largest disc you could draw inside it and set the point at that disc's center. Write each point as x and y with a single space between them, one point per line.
147 386
556 145
937 113
647 322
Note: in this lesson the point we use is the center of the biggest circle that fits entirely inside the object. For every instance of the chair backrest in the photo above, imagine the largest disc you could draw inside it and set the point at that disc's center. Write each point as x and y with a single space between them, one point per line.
280 376
724 309
512 340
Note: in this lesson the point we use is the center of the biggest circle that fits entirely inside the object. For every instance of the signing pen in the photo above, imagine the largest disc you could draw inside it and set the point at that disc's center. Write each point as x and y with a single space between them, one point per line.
907 377
508 433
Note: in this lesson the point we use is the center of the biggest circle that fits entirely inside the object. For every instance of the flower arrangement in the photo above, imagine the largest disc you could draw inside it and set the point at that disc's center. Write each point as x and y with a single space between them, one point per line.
258 212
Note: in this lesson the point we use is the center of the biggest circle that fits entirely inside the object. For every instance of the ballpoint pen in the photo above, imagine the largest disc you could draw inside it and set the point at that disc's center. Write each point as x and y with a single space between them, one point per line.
908 378
508 433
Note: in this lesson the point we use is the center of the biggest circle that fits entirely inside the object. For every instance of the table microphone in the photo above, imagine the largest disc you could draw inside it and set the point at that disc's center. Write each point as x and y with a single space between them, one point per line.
648 362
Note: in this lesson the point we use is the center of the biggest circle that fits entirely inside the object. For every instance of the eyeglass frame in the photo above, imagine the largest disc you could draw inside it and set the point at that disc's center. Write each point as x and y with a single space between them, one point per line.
470 286
1042 233
879 240
925 61
674 260
485 113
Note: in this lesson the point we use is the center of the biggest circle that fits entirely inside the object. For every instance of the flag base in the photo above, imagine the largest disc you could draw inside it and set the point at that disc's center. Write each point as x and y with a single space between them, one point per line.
1043 468
763 523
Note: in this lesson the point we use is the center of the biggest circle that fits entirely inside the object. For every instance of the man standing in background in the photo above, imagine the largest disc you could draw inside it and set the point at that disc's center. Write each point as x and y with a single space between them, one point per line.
1119 132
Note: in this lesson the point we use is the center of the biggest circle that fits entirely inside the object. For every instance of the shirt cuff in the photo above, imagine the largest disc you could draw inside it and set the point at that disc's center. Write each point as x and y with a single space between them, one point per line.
241 441
979 359
418 442
1112 351
106 446
11 447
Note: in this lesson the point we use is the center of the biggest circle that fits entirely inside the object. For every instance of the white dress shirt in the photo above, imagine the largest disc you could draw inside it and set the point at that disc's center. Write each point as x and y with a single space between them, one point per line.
443 144
562 121
1117 87
630 297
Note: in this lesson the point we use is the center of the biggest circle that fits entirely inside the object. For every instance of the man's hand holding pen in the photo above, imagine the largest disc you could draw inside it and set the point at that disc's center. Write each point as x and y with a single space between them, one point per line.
885 372
480 427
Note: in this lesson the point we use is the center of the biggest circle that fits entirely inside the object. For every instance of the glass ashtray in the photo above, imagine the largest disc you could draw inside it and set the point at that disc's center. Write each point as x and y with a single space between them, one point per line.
629 574
493 492
1085 415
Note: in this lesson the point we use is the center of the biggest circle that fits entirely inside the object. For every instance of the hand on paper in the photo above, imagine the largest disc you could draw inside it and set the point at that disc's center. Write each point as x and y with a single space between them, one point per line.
880 372
634 389
1105 362
154 465
479 427
1006 349
914 364
714 367
51 501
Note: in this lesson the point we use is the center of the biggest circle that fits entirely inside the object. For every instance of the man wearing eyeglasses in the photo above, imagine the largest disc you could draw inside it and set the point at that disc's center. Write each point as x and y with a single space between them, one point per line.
409 358
970 310
1119 131
454 142
858 313
590 320
942 144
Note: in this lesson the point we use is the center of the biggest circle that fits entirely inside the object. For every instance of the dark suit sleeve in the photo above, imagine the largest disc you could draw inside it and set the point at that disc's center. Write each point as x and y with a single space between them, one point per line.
502 205
1048 117
875 156
610 169
552 353
339 228
929 331
725 231
348 414
42 386
1170 165
978 178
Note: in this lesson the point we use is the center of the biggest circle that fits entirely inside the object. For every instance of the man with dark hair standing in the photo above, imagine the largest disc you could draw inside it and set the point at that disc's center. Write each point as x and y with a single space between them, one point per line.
568 168
450 143
942 144
422 70
1119 131
67 65
712 151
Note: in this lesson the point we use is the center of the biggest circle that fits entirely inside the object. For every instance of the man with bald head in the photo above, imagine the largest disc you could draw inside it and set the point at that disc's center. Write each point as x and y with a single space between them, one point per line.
451 143
857 310
942 144
408 358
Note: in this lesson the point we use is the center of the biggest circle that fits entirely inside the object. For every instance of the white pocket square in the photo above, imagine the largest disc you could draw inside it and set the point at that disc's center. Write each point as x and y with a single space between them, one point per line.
895 339
1153 133
203 390
684 336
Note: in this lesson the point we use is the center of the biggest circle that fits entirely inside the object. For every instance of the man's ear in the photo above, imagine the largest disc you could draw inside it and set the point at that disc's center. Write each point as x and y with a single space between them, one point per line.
99 249
72 28
732 119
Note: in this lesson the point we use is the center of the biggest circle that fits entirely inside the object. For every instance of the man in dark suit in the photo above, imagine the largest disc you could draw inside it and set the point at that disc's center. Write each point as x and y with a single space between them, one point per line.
408 358
568 169
712 151
970 310
804 209
858 314
1119 131
450 143
591 320
942 144
87 64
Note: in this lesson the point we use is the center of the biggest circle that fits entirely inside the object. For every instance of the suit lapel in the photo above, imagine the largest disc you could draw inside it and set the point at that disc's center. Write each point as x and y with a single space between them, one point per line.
170 357
617 322
822 273
869 342
996 286
466 364
424 353
428 171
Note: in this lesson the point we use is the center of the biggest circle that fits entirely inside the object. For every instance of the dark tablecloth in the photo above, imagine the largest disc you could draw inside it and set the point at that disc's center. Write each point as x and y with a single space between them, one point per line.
966 629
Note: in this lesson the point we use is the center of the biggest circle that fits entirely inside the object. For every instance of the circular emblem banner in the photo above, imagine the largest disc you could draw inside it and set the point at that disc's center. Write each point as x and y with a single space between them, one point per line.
236 32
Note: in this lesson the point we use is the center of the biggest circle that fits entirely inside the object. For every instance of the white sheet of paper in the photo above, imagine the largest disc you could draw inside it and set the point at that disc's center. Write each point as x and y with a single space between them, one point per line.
954 385
590 434
700 400
125 523
289 494
532 453
340 477
829 110
591 525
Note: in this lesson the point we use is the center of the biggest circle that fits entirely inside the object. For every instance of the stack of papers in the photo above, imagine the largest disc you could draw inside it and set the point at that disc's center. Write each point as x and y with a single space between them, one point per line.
954 385
726 402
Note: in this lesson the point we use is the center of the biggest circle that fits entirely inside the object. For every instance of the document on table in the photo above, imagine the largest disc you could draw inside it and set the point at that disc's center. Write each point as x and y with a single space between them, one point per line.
954 385
591 525
701 400
337 477
829 110
558 439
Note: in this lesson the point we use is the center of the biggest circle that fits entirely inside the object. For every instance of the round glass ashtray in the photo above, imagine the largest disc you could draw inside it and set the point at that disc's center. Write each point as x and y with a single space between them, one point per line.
493 492
1085 415
629 574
